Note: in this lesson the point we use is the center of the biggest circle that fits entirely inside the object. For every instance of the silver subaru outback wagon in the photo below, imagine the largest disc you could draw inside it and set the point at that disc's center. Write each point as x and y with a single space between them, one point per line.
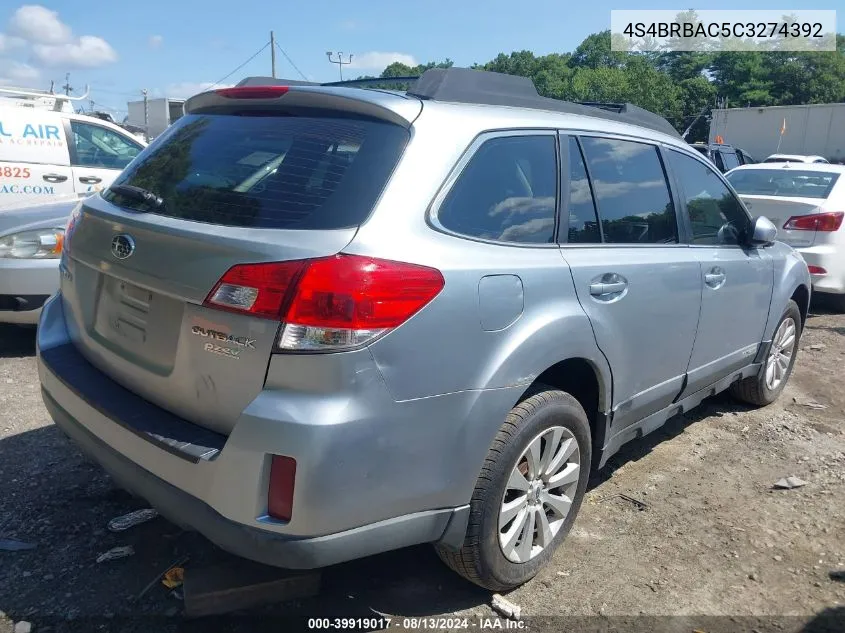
318 322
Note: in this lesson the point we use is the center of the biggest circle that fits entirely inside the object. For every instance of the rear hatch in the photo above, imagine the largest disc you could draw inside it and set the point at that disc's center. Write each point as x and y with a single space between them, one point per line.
226 185
785 193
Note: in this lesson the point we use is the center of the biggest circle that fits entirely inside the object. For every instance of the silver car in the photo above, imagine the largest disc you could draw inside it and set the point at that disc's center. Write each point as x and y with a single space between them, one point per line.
316 323
30 246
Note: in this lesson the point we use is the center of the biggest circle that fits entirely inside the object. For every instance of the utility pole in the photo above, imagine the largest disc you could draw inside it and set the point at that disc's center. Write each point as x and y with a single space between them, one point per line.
68 88
273 54
340 63
146 114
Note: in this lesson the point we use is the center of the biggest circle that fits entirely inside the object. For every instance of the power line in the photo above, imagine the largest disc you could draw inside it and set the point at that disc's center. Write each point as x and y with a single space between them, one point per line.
301 74
135 93
257 53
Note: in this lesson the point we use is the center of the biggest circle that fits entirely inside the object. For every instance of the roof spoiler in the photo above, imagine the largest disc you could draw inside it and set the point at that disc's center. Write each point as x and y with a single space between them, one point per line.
273 81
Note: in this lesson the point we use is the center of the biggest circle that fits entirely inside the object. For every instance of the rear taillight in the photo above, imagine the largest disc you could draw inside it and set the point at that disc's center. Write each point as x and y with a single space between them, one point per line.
817 270
330 303
259 289
252 92
280 490
815 222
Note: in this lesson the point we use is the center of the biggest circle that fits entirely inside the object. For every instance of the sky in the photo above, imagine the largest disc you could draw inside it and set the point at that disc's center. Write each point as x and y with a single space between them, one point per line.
170 49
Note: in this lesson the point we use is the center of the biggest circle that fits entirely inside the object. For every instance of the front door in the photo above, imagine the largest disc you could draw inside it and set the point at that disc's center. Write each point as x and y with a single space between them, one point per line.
637 283
736 280
98 155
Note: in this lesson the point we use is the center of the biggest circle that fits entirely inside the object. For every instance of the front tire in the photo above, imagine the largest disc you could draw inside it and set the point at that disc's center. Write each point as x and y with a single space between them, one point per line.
764 388
528 493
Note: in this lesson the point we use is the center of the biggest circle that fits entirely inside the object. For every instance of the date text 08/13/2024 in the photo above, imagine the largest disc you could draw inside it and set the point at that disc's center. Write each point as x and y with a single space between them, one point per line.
416 624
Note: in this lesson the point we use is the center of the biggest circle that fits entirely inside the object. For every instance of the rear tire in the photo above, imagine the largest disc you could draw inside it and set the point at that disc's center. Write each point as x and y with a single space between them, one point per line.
764 388
545 420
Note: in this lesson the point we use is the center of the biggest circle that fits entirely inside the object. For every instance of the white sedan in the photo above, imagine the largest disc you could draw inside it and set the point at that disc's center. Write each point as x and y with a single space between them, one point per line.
795 158
807 204
31 240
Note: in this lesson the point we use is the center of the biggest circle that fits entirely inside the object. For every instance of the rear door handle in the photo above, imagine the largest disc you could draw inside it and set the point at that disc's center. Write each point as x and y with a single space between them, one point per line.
715 278
54 177
90 180
599 289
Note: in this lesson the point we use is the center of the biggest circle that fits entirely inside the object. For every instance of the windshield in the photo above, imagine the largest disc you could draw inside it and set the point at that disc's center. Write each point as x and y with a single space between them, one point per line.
785 183
265 171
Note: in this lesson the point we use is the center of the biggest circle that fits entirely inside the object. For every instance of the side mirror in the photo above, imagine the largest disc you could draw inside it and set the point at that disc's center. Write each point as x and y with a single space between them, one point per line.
764 232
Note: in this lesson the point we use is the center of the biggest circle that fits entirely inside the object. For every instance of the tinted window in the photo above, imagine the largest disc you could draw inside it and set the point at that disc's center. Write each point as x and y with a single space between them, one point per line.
730 160
267 171
97 146
506 192
715 213
717 158
631 192
583 224
786 183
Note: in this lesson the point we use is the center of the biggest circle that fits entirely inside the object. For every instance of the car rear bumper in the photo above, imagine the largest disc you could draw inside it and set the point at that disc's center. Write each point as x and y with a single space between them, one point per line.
831 257
257 544
372 474
25 284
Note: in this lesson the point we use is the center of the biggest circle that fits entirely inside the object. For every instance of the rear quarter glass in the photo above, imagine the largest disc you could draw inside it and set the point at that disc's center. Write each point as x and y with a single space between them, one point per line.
791 183
263 170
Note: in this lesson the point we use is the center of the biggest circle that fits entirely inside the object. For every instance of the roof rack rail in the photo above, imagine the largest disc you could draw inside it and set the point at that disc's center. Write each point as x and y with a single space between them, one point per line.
365 81
465 85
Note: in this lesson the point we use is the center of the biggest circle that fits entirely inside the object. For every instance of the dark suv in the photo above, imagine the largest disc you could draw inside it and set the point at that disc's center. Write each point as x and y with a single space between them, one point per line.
725 157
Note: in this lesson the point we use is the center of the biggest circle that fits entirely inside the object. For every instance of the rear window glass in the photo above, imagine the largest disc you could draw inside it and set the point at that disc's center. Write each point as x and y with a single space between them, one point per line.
787 183
266 171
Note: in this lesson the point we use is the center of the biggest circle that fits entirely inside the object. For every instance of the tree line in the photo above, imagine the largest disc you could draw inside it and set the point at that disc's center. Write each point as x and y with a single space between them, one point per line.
677 85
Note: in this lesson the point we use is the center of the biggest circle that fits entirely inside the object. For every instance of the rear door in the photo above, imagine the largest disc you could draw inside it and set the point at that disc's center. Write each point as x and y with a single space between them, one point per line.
639 285
98 154
729 159
736 280
234 189
34 160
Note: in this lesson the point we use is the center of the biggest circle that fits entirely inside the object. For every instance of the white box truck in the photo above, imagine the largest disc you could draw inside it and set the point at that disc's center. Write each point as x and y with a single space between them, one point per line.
160 113
807 129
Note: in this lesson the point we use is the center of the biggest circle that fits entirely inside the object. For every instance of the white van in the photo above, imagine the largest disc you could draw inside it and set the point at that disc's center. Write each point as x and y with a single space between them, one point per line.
48 153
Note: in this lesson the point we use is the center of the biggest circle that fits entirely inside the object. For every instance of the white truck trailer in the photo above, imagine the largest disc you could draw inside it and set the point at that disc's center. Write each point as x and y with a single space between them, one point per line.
806 129
155 115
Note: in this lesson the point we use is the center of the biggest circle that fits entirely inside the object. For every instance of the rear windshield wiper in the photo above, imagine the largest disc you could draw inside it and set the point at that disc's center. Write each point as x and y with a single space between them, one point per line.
139 194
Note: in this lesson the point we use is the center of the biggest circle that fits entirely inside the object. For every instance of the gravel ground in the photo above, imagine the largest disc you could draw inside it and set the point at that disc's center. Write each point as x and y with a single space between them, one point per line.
712 538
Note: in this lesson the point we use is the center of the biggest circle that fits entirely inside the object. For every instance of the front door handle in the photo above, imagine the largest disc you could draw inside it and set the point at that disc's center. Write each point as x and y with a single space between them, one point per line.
715 278
54 178
90 180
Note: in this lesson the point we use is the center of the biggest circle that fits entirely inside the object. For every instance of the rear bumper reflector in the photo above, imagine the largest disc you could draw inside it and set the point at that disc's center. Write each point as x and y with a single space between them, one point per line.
280 494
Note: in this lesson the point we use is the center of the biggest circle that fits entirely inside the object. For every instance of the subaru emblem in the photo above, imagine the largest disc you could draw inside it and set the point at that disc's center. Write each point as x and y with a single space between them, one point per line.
122 246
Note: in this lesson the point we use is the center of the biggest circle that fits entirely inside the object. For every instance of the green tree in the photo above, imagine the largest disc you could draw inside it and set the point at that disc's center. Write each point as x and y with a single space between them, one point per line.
595 52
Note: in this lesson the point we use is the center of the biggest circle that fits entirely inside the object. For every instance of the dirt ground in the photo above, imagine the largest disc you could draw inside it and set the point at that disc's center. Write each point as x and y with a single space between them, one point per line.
711 538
